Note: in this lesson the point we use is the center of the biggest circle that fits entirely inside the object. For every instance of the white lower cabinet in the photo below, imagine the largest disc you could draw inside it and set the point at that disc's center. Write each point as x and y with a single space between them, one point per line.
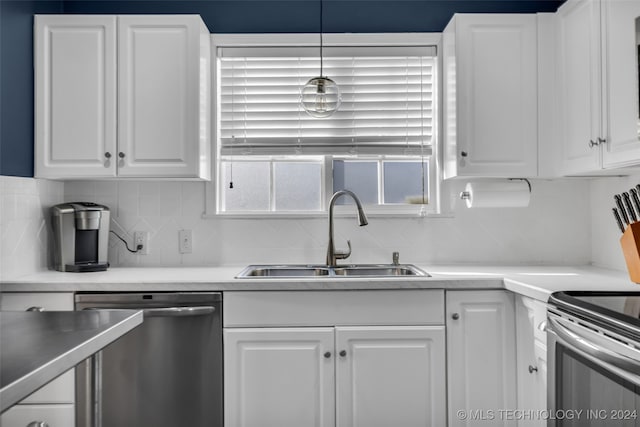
53 403
531 361
481 355
343 376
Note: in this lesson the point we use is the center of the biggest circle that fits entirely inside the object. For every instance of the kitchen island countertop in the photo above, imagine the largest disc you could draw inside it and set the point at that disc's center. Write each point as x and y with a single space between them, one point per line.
533 281
36 347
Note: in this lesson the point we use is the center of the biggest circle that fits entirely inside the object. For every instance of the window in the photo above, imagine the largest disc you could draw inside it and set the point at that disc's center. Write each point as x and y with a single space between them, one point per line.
274 158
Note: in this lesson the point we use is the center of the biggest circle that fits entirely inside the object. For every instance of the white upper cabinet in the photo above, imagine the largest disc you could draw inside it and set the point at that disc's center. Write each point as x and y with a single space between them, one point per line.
490 96
598 61
125 96
75 104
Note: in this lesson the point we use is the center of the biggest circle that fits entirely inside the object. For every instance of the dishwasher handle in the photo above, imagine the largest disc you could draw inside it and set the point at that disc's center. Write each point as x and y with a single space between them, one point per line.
178 311
167 311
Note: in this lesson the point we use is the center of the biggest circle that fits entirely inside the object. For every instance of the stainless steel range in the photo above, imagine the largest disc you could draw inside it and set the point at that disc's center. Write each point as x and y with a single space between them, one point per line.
594 359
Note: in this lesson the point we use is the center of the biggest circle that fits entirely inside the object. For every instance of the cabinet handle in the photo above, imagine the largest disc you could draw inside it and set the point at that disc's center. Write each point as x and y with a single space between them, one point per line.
533 369
327 355
121 155
107 155
343 353
464 153
37 424
35 309
455 316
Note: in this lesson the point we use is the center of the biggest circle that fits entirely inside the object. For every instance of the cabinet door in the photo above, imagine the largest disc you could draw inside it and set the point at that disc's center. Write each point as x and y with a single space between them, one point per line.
62 389
530 361
496 90
481 354
159 95
580 77
620 40
52 415
279 377
390 376
75 96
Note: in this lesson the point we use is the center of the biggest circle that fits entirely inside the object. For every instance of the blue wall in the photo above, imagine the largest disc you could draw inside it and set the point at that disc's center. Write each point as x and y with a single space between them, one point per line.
221 16
16 83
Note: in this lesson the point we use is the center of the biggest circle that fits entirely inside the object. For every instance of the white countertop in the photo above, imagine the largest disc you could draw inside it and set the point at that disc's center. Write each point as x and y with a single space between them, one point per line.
533 281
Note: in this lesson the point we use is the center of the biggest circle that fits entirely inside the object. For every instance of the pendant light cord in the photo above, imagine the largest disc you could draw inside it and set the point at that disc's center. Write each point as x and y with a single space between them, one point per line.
321 38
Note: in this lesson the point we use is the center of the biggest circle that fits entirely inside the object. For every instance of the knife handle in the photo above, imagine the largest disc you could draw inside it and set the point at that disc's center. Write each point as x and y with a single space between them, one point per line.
635 198
618 219
620 206
627 203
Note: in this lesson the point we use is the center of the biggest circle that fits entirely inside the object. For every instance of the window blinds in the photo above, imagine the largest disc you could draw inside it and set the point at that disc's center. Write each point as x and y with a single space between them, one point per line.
387 101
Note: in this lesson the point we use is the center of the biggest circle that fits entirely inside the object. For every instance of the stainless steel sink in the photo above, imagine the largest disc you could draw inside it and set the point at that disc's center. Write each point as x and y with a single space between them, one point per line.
362 270
379 270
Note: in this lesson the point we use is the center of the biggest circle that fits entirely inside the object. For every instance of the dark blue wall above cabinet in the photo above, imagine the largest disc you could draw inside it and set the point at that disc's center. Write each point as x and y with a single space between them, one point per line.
221 16
16 83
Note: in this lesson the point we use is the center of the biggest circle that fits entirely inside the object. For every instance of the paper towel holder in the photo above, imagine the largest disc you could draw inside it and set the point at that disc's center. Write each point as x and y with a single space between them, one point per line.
465 195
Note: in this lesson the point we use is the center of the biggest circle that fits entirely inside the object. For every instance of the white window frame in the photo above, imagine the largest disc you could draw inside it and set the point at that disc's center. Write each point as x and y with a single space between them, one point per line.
363 39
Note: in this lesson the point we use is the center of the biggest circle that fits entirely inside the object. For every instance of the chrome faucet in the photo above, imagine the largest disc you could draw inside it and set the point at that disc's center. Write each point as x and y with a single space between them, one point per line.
334 255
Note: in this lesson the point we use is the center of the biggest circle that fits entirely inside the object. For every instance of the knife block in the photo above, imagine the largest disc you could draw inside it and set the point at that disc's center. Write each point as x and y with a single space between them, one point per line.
630 242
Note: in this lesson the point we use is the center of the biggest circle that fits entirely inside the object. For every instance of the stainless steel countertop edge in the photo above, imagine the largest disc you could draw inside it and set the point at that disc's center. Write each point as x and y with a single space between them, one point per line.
24 386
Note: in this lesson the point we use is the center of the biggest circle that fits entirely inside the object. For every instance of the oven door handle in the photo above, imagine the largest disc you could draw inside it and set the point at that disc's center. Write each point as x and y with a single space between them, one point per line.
583 344
170 311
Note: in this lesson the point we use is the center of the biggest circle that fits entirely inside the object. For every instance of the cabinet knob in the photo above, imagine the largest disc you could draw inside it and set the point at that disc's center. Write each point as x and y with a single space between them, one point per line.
593 143
35 309
121 155
107 155
37 424
327 355
602 141
343 353
464 153
455 316
533 369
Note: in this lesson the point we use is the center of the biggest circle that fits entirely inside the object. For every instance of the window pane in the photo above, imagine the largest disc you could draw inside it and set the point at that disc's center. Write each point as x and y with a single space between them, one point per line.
251 184
359 177
298 186
402 183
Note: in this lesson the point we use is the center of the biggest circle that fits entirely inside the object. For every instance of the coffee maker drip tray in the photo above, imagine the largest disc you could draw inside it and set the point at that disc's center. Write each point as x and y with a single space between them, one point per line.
82 267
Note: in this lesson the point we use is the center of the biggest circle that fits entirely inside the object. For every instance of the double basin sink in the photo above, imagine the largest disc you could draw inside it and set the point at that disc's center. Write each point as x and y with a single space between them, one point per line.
360 270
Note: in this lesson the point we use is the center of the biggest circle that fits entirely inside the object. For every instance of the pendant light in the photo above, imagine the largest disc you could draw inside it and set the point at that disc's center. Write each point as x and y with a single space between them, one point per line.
320 97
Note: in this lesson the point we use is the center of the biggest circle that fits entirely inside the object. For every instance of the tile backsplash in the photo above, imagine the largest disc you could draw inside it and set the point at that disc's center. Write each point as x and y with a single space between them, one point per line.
554 229
24 224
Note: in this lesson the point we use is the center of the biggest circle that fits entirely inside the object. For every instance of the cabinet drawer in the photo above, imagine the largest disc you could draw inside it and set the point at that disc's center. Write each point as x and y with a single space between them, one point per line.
53 415
328 308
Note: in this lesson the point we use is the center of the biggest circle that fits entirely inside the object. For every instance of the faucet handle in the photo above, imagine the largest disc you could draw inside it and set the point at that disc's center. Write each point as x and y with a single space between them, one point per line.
344 255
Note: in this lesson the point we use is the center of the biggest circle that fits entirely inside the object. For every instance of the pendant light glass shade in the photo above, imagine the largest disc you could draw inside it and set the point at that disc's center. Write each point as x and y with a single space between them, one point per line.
320 97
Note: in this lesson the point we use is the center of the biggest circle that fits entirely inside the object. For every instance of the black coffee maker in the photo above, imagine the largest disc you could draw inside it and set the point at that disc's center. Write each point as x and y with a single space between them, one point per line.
80 236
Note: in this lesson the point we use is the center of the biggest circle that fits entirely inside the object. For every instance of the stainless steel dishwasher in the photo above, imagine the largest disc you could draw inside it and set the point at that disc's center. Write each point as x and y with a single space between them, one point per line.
166 373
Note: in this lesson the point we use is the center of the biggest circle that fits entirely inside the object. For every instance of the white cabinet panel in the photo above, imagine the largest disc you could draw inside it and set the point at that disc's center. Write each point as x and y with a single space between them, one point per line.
62 389
279 377
53 415
159 68
390 376
490 80
481 354
621 78
75 123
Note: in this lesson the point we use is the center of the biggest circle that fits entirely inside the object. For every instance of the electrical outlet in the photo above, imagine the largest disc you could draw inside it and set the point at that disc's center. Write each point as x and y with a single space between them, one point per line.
185 244
141 238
